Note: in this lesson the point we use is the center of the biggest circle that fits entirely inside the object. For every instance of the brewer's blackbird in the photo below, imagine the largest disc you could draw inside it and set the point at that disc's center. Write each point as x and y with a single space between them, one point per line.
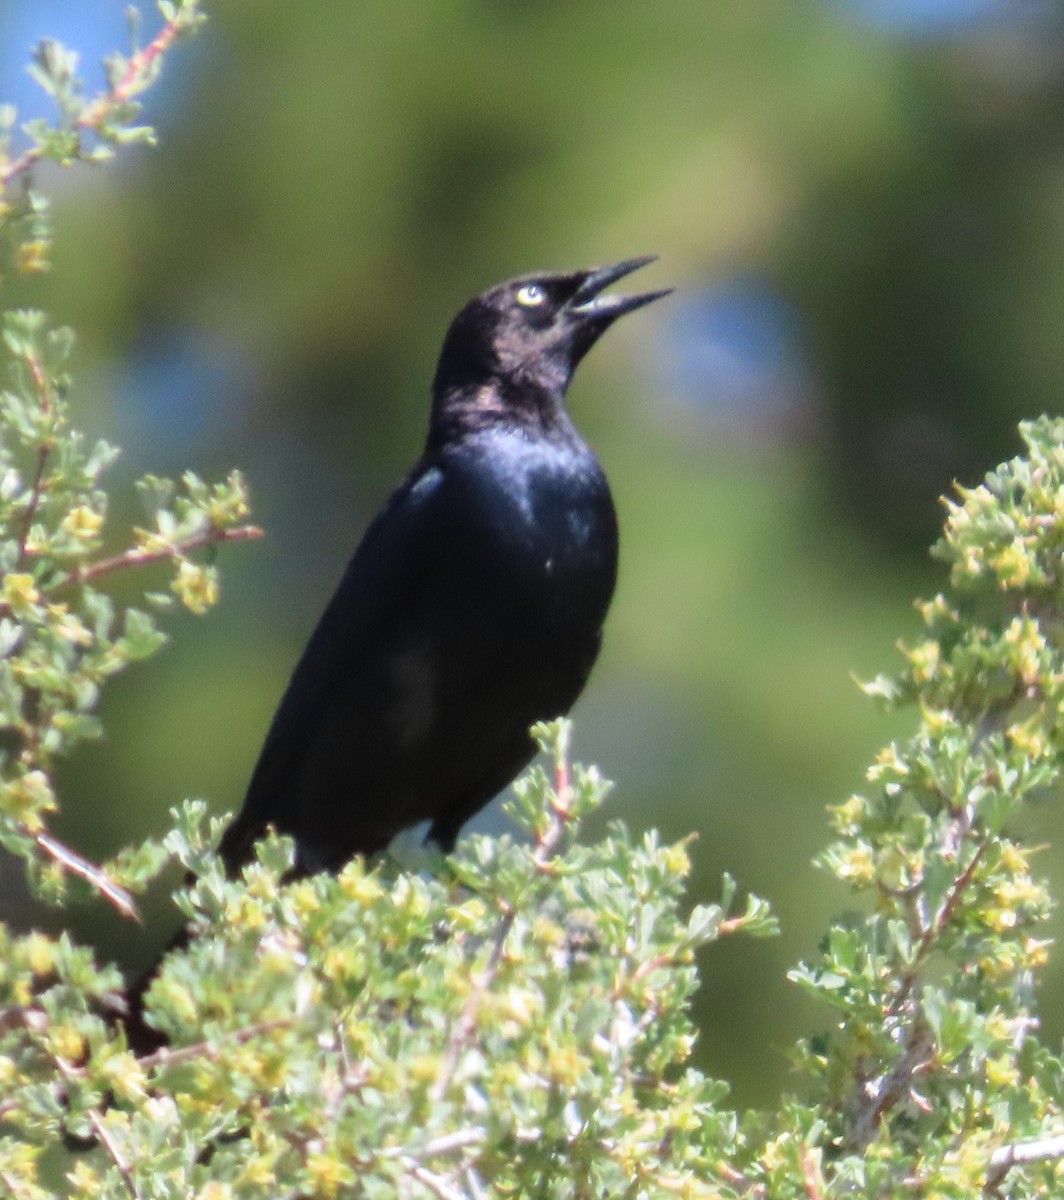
473 606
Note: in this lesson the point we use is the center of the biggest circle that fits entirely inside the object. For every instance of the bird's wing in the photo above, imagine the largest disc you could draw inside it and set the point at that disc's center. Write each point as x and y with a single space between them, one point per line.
392 568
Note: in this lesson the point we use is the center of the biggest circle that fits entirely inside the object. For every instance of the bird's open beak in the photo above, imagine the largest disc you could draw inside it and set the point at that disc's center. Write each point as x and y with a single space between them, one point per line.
587 300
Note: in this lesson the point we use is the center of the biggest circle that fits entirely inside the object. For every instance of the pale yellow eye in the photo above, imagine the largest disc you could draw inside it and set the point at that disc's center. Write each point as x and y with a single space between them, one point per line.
531 295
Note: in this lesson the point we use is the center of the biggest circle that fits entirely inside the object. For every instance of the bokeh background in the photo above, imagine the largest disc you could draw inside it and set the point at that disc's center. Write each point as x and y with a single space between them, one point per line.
861 205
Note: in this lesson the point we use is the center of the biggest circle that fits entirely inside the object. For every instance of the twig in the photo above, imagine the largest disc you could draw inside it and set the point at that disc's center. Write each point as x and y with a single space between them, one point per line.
811 1175
890 1088
43 453
100 880
474 1187
545 847
43 385
16 166
457 1140
646 967
434 1147
68 859
435 1183
102 1134
137 69
563 790
94 114
730 925
738 1181
935 928
895 1084
1005 1158
139 555
466 1022
117 1157
165 1057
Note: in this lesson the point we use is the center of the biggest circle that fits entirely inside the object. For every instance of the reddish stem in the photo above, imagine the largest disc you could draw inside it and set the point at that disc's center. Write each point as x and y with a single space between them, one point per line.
95 113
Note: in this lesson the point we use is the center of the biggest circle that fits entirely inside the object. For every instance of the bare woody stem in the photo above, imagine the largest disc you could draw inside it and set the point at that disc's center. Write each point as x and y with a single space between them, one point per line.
103 1135
889 1090
138 556
43 383
134 78
936 928
1016 1154
73 862
546 846
438 1186
811 1176
166 1057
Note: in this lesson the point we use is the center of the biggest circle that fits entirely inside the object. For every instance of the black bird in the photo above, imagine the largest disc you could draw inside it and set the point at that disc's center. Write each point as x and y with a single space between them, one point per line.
473 606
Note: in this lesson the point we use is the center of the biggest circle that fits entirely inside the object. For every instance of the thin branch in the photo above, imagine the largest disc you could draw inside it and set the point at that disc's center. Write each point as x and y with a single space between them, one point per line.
545 848
467 1020
878 1097
731 925
435 1183
811 1176
43 384
563 792
458 1139
103 106
138 556
165 1057
43 453
117 1157
102 1133
647 967
100 880
895 1084
935 929
132 81
69 859
1005 1158
17 166
474 1186
738 1181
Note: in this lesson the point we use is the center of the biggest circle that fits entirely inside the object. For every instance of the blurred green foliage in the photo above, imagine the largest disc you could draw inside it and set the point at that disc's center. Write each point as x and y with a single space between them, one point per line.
339 178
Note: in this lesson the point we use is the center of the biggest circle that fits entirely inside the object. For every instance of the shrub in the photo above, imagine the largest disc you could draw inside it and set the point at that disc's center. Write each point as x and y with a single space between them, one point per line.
514 1022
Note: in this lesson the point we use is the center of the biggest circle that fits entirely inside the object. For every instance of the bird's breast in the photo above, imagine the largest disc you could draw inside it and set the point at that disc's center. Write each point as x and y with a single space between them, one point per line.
537 535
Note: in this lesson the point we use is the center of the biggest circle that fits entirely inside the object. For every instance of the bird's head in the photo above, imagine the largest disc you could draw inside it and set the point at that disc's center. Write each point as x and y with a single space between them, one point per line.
531 332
